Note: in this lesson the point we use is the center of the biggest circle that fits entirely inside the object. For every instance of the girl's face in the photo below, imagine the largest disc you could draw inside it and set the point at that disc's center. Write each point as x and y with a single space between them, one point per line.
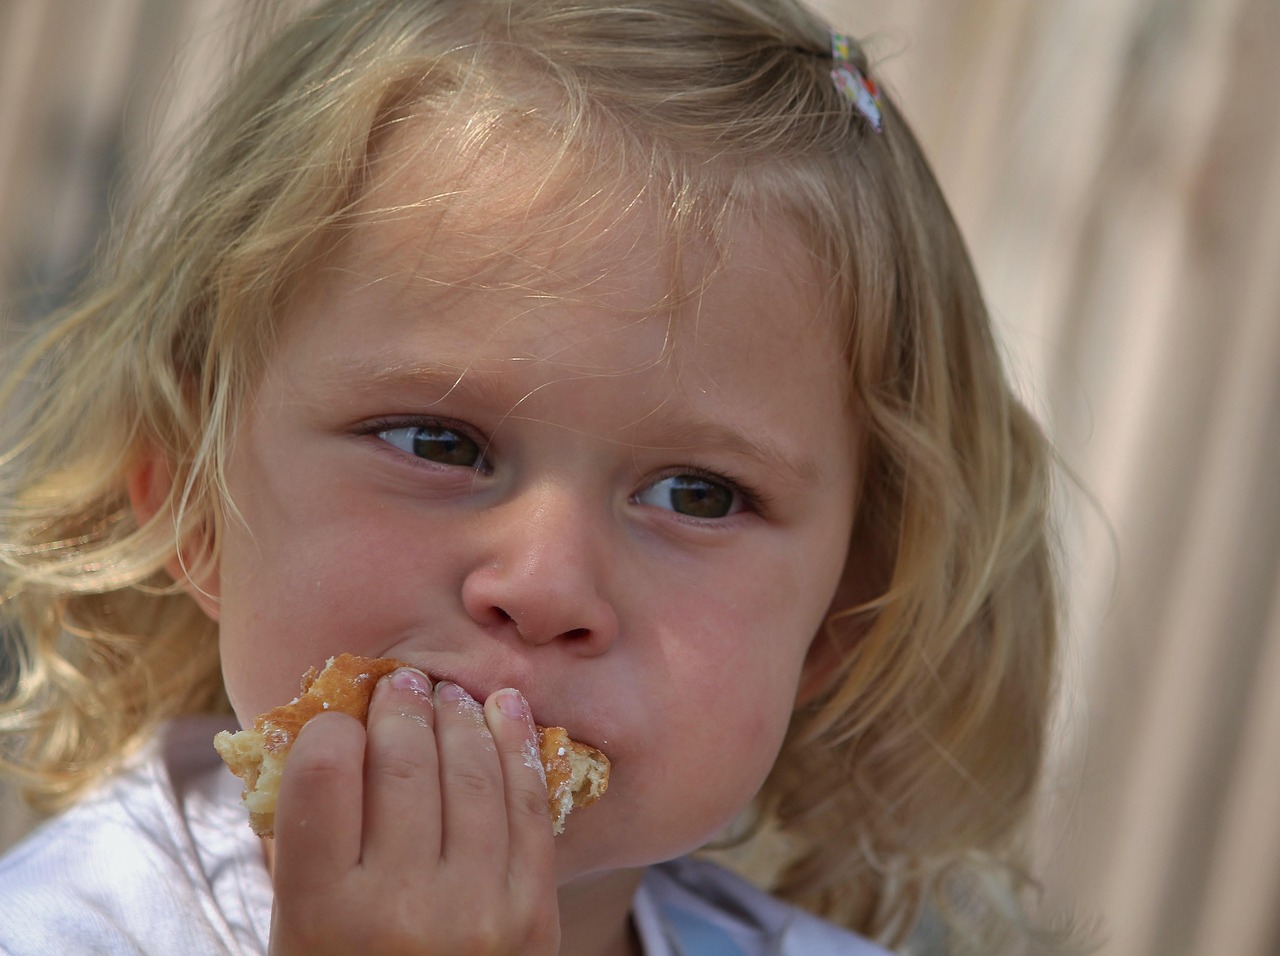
636 514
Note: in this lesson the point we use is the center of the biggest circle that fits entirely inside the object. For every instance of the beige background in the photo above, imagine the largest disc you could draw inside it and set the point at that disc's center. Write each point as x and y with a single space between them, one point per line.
1115 165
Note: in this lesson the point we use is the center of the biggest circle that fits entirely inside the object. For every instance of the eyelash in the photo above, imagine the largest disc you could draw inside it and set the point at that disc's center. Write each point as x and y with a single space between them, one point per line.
374 426
752 498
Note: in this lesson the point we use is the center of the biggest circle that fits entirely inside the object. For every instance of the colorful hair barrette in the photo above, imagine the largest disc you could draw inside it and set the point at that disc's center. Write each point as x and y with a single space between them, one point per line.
858 88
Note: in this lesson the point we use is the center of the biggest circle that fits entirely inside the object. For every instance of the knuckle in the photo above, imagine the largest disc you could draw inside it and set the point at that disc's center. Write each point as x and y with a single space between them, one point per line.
541 929
486 935
316 768
472 782
400 765
544 934
530 802
302 930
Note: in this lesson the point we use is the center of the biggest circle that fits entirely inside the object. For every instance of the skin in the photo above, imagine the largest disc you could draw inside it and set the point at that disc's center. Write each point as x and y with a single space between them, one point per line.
559 498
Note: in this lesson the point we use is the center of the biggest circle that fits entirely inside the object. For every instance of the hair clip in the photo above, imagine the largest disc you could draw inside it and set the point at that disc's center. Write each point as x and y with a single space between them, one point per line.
858 88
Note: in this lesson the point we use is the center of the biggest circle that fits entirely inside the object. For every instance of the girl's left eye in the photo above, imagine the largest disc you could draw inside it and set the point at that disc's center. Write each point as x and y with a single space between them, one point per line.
438 444
695 496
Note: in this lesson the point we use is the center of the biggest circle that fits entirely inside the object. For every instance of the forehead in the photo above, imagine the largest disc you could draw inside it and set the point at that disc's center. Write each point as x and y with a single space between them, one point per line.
515 206
518 251
459 210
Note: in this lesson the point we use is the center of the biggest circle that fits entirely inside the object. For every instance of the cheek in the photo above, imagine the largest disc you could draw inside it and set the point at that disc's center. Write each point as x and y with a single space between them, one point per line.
708 744
300 585
735 661
765 617
746 666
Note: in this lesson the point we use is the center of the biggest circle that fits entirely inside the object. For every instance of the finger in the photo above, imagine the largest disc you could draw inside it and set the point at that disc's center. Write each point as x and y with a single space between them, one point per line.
516 739
318 813
402 773
471 782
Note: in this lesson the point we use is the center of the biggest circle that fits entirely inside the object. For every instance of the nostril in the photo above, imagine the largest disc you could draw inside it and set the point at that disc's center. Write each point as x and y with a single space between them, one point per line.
578 632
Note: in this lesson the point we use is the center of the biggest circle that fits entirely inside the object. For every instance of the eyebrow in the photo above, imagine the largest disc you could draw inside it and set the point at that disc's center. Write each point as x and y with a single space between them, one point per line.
374 374
679 431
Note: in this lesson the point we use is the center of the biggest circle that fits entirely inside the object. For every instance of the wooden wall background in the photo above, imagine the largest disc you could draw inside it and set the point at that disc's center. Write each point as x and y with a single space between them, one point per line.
1116 166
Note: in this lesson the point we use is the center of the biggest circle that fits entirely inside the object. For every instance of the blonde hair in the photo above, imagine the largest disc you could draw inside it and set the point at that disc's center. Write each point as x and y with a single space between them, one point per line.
910 779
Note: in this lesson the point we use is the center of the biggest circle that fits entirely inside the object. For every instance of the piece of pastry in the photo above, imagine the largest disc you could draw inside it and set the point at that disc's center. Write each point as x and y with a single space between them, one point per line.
577 775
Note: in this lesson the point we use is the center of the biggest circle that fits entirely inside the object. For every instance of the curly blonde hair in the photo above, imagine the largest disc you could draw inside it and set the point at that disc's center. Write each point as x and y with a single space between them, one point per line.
909 779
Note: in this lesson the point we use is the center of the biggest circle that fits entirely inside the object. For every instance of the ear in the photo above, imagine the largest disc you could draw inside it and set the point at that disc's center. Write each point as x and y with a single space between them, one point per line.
150 482
824 663
821 668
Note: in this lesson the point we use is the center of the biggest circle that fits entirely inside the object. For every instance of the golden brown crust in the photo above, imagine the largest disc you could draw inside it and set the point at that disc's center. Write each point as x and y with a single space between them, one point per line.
577 775
345 685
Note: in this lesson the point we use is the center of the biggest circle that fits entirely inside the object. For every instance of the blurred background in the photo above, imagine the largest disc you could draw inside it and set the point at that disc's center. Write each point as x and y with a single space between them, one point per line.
1115 165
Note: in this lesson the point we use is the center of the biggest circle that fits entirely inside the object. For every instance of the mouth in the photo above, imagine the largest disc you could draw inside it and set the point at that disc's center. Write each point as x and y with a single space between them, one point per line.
545 712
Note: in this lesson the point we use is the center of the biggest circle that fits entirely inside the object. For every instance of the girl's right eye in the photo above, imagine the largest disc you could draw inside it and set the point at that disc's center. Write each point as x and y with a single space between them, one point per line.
438 444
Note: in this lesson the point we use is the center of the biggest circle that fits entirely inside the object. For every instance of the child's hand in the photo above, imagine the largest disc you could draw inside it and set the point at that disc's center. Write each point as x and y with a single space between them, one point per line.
427 833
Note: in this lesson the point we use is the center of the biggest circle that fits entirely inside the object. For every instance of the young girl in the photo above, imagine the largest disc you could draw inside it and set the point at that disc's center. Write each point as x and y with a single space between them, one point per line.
619 368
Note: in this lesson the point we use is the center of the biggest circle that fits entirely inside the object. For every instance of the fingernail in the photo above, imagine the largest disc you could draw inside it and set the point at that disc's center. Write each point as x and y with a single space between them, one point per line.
512 704
447 690
411 680
466 704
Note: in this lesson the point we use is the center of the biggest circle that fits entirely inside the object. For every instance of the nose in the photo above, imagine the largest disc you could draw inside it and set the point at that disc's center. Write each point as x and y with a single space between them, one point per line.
542 573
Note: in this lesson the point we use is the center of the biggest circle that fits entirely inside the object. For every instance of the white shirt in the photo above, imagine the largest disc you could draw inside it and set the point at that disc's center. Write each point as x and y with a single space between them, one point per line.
160 860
